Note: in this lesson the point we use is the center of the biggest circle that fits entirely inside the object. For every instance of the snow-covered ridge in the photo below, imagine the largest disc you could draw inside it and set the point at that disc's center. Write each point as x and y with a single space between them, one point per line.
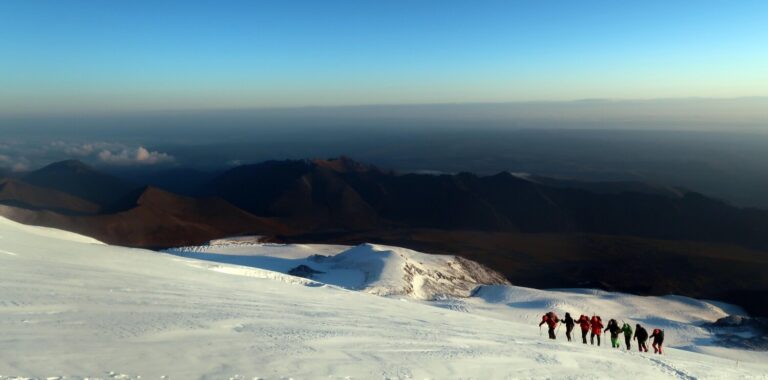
398 271
375 269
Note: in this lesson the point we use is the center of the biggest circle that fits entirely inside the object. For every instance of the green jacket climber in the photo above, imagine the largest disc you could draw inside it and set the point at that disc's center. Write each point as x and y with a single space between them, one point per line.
627 329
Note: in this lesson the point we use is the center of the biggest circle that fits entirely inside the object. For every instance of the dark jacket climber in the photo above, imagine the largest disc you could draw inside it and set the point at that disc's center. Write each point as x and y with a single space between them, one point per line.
615 330
642 337
658 340
569 323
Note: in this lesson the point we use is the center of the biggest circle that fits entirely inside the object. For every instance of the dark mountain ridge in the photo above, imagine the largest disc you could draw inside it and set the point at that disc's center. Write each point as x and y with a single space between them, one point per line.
372 199
19 193
80 180
343 195
154 218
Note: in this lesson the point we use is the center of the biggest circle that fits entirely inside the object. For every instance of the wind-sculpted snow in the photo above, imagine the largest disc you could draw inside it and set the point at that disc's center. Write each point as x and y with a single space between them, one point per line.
253 272
391 271
74 309
375 269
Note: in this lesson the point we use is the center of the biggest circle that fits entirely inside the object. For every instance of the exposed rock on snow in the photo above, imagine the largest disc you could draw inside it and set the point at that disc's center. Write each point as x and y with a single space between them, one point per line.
237 240
303 271
741 332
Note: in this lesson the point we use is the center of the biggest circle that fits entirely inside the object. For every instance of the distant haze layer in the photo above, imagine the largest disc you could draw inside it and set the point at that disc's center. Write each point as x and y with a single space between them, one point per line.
715 146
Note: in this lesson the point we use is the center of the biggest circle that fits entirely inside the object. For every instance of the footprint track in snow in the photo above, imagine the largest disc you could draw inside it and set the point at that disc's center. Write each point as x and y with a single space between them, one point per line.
677 372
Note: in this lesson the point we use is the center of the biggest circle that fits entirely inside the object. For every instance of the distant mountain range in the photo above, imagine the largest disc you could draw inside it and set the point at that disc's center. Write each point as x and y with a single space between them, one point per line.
538 231
342 194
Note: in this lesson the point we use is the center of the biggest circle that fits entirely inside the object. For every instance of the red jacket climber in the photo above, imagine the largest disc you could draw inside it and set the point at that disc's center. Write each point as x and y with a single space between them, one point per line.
551 320
597 329
583 322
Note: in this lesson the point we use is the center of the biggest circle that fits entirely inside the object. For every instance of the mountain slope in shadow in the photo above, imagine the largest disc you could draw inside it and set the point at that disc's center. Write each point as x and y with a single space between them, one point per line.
80 180
18 193
156 218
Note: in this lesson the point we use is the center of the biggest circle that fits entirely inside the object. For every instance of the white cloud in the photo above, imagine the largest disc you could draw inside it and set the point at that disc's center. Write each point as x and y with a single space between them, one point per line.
81 150
19 164
74 149
25 156
138 156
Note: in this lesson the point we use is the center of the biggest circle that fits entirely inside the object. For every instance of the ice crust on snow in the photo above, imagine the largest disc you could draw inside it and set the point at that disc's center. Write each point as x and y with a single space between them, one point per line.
71 308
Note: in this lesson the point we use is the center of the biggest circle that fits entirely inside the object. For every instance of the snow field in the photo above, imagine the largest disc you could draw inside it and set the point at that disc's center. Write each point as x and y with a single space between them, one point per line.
72 308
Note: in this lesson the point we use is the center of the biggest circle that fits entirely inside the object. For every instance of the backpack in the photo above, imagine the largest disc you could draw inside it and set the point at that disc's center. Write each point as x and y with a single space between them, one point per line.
552 316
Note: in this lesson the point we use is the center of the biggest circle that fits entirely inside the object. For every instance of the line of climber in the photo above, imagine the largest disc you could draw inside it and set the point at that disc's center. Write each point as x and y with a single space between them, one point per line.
594 327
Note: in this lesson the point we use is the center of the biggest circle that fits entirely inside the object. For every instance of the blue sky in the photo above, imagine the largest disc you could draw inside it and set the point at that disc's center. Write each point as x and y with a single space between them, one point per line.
101 56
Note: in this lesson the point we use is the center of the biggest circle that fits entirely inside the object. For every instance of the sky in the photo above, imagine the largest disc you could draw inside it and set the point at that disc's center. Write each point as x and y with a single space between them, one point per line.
90 57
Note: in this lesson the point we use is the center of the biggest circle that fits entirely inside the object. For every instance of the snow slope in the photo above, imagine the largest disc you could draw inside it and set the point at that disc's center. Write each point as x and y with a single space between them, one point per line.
73 308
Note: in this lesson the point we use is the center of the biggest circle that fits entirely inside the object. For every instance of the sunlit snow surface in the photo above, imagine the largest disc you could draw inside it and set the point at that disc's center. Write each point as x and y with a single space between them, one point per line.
73 308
